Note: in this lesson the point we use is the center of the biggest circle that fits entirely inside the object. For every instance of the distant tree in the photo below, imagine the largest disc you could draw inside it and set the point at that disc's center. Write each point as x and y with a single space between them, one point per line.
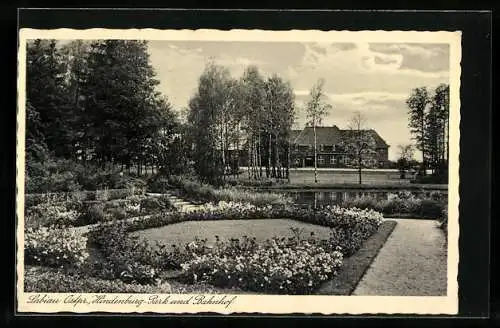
253 105
405 160
205 120
438 125
417 103
280 109
316 110
358 142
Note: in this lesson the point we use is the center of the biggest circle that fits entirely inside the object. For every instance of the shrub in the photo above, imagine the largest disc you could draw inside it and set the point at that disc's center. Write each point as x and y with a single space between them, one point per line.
400 203
118 213
197 191
94 213
279 266
431 208
127 258
49 214
443 220
154 204
158 183
49 281
53 175
55 247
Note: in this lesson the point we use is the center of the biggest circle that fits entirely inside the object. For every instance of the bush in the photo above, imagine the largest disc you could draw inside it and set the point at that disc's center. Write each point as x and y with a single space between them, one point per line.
154 204
55 247
49 215
128 259
443 220
94 213
158 183
279 266
400 203
49 281
197 191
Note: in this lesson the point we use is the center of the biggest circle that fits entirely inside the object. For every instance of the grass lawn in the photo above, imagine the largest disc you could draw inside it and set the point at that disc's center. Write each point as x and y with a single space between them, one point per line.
349 180
185 232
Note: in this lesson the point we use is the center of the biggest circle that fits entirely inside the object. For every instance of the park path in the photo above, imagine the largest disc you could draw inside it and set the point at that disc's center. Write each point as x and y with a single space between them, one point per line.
412 262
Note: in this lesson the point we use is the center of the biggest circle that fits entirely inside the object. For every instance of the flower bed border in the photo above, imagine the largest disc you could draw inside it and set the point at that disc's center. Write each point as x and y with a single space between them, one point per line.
354 267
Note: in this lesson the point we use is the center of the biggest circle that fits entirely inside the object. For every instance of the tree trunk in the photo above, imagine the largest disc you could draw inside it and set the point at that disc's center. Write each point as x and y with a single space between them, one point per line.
259 158
223 155
249 156
269 150
315 153
288 161
276 157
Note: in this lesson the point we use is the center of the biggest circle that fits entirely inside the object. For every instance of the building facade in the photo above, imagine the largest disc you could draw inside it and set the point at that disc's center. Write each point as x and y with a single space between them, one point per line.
331 149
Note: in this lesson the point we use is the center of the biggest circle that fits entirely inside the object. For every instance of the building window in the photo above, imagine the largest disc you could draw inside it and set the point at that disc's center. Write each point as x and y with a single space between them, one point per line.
332 160
321 160
296 146
321 147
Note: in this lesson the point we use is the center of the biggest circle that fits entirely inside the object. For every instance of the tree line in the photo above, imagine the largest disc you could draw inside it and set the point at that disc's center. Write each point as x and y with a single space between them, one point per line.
96 102
429 124
234 119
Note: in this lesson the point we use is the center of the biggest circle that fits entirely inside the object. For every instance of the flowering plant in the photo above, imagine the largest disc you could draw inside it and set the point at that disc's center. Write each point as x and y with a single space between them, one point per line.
49 214
278 266
55 247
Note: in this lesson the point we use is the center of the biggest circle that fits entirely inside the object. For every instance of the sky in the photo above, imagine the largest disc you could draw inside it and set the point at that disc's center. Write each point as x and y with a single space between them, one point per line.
372 78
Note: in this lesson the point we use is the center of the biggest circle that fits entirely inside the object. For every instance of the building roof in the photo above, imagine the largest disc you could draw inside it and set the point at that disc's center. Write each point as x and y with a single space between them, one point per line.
328 135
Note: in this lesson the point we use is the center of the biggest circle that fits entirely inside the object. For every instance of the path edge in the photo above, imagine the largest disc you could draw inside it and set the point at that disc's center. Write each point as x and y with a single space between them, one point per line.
355 267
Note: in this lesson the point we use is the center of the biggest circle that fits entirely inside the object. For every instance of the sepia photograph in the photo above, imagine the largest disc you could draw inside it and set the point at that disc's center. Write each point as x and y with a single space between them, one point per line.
238 171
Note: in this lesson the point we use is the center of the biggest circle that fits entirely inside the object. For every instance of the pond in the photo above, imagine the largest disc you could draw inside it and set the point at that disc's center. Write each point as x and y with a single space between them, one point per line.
318 199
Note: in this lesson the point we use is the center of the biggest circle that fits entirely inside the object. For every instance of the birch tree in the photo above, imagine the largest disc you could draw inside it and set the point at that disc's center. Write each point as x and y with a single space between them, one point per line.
316 110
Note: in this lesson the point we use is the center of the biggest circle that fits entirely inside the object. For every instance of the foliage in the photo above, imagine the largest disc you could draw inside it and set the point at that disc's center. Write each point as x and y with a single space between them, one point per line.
359 143
94 213
153 204
443 221
429 124
61 175
55 247
127 259
206 193
51 215
406 160
279 266
399 204
96 102
37 280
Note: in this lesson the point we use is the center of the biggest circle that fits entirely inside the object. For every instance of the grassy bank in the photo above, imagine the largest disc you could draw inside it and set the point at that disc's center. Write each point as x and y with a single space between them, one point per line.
352 186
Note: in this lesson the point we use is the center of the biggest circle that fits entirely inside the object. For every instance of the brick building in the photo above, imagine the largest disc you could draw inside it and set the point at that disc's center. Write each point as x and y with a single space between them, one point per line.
330 151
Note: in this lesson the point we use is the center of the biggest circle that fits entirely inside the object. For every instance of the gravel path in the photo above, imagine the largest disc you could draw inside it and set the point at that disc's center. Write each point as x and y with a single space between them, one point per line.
411 263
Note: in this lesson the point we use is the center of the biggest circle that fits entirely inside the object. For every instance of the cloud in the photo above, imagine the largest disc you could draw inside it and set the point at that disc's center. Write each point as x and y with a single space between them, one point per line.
374 79
421 57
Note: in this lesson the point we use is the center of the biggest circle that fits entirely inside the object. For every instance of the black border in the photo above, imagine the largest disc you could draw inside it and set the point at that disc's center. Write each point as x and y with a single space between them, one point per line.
475 155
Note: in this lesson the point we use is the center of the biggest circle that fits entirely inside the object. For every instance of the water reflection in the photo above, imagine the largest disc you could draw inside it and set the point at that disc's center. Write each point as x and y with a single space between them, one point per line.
318 199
